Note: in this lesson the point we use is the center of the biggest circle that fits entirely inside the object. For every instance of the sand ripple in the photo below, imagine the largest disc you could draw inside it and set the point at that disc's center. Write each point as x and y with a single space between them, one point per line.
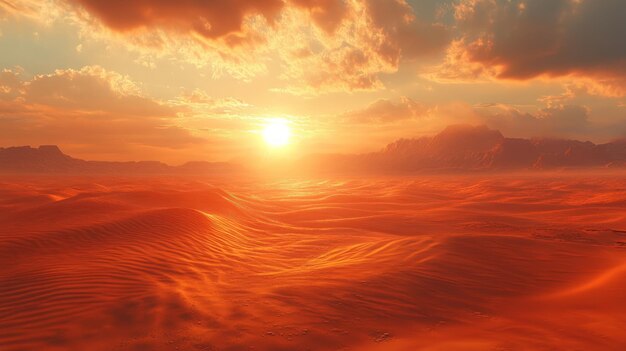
450 263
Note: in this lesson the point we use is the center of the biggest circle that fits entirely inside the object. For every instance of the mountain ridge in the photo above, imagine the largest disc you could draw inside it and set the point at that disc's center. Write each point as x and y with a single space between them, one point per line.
50 159
475 148
456 148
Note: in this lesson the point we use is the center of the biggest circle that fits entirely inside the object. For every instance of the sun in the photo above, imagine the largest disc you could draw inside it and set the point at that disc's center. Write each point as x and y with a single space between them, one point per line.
276 132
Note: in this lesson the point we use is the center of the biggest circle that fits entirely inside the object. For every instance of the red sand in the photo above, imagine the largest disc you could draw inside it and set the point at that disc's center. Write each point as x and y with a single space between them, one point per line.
437 263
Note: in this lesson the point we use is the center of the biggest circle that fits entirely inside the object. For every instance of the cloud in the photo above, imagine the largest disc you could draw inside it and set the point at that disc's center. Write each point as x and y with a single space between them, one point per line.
387 111
10 84
17 7
94 89
571 121
459 67
525 39
561 118
385 120
210 19
326 14
318 45
200 102
403 35
87 109
335 69
373 38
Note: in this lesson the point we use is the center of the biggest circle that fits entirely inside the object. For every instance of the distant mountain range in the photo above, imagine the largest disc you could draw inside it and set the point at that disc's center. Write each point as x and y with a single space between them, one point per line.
466 148
50 159
456 148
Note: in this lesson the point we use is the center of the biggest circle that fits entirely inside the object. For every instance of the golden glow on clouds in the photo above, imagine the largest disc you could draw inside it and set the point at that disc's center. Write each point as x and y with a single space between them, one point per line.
185 81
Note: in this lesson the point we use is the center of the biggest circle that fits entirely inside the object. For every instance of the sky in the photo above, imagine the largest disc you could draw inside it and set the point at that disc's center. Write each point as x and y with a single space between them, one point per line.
200 80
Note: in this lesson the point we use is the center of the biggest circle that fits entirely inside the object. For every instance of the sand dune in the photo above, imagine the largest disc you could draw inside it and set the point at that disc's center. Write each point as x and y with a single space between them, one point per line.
440 263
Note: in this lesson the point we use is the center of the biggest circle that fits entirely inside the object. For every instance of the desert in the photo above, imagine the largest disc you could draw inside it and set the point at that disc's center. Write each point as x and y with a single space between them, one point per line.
507 262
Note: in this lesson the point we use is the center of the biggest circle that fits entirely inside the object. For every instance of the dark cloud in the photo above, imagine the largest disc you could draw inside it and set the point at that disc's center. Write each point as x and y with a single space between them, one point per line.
405 35
530 38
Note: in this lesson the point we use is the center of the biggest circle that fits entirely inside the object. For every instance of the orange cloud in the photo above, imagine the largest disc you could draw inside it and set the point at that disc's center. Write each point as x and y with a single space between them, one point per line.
403 35
322 45
327 14
458 66
92 89
211 19
374 37
91 111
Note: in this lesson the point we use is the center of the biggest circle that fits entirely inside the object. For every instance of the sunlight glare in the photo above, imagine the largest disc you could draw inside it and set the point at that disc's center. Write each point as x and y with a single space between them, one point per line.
276 132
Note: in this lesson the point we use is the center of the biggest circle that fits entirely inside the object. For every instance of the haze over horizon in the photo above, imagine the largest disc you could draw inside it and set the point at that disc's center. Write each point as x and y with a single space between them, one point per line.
457 148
